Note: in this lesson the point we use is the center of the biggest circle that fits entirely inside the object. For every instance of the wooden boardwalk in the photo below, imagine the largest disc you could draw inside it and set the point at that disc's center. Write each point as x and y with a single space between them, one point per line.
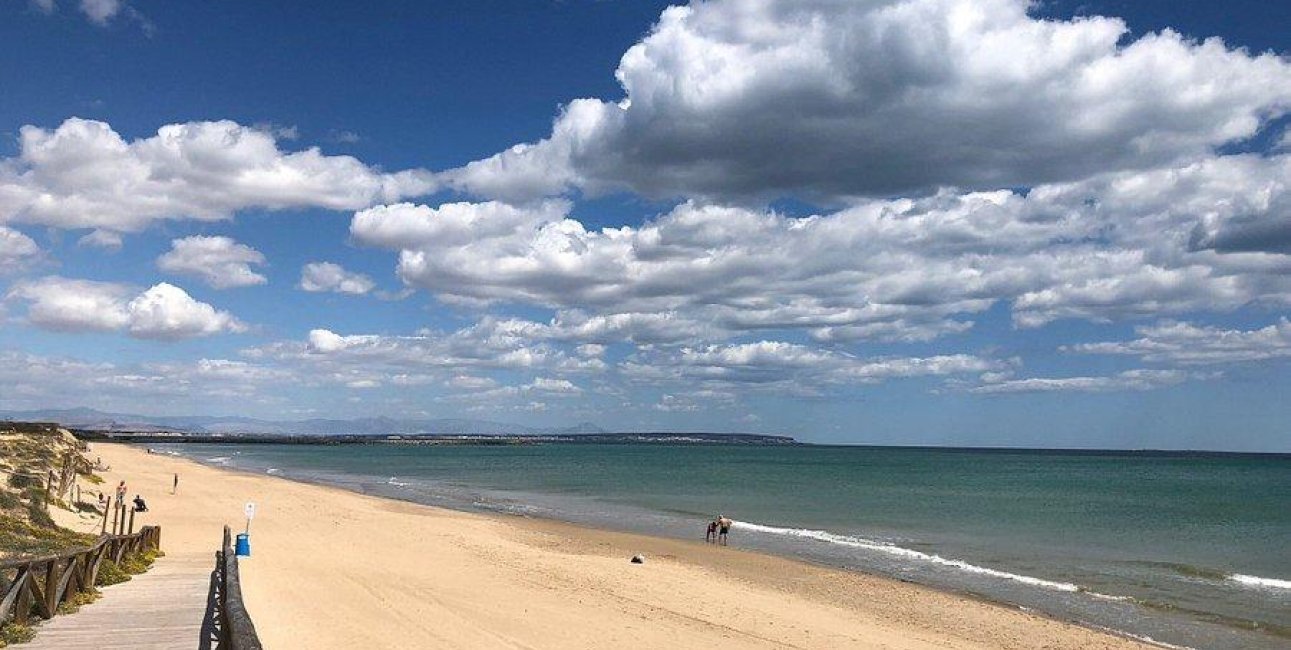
162 609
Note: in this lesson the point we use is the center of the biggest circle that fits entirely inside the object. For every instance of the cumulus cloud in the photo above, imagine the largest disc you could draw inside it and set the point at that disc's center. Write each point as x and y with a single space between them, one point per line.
85 175
220 262
800 366
1128 380
489 344
1186 343
1114 246
163 312
326 276
817 98
16 250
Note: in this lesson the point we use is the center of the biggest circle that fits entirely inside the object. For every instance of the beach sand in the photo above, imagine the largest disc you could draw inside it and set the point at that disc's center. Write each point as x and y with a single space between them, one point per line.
335 569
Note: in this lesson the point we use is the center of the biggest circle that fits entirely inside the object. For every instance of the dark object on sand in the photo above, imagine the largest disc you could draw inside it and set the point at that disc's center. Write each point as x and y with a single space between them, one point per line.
638 559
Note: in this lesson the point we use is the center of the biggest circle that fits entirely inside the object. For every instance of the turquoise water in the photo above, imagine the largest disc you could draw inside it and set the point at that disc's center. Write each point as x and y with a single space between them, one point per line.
1186 550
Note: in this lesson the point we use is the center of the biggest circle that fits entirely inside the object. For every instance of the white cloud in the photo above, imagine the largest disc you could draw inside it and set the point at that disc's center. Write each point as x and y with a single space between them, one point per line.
467 382
544 387
16 250
799 367
33 381
167 312
45 6
100 12
489 344
104 239
326 276
220 262
68 305
85 175
1128 380
162 312
756 98
1210 235
1186 343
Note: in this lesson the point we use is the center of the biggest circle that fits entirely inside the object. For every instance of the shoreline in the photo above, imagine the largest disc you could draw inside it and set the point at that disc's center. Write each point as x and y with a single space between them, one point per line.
573 529
691 593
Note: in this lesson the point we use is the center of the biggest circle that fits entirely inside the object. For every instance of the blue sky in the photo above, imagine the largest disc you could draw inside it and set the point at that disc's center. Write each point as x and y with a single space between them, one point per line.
929 222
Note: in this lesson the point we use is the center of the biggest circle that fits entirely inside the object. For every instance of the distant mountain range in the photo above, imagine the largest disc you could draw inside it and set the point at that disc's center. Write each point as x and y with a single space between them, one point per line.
87 418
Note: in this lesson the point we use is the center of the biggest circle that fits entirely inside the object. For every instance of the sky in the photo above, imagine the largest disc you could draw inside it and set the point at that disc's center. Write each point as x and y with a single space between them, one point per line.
922 222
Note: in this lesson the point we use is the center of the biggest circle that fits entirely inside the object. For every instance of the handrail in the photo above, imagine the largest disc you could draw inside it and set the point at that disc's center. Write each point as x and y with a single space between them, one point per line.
237 632
43 583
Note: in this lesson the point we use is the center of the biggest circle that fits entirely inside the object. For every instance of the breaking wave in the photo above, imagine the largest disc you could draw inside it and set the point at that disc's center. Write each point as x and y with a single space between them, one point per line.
1257 581
901 552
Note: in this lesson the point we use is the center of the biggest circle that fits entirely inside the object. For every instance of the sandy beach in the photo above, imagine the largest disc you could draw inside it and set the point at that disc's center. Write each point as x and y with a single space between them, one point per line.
335 569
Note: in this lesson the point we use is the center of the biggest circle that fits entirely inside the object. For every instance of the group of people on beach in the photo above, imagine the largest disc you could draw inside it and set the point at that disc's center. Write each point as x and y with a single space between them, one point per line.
718 529
139 504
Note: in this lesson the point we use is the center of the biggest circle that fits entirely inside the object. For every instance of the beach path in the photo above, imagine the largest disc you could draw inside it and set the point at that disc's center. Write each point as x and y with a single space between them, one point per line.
161 609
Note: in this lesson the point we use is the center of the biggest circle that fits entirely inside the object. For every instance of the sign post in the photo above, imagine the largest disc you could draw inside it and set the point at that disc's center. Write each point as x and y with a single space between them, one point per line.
251 513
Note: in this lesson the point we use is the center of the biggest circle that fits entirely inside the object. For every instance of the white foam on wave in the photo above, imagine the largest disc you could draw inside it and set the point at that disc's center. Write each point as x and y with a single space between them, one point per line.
393 481
1144 638
273 470
218 459
898 551
1256 581
1119 599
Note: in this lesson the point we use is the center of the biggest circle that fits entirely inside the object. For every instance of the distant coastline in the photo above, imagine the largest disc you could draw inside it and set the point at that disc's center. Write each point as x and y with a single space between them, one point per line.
146 437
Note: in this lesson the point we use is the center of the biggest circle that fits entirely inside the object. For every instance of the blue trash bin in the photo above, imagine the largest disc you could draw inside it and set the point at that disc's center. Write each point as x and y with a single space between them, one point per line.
243 548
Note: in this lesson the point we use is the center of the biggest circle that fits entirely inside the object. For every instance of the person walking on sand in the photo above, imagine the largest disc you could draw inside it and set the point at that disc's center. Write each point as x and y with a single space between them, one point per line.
121 491
711 535
174 487
723 527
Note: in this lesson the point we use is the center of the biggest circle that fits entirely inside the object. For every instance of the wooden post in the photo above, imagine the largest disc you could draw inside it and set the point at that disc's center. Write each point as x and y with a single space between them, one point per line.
116 509
131 531
23 610
106 508
52 578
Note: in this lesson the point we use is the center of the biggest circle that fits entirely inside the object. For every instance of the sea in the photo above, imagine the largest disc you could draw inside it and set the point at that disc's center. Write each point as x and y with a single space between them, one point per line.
1183 549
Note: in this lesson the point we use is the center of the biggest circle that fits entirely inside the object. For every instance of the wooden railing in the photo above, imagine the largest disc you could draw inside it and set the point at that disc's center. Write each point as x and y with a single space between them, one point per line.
236 630
39 585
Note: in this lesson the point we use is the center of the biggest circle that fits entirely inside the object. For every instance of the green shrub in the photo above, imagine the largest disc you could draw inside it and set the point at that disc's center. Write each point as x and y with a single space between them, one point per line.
138 562
39 515
14 633
20 537
9 501
21 481
110 574
93 478
73 604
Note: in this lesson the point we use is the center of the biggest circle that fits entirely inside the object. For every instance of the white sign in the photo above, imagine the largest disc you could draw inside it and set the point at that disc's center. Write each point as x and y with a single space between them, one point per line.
251 510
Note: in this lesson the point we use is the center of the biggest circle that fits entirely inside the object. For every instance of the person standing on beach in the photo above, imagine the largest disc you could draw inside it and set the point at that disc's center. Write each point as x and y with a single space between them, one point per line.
723 527
710 535
121 491
174 487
